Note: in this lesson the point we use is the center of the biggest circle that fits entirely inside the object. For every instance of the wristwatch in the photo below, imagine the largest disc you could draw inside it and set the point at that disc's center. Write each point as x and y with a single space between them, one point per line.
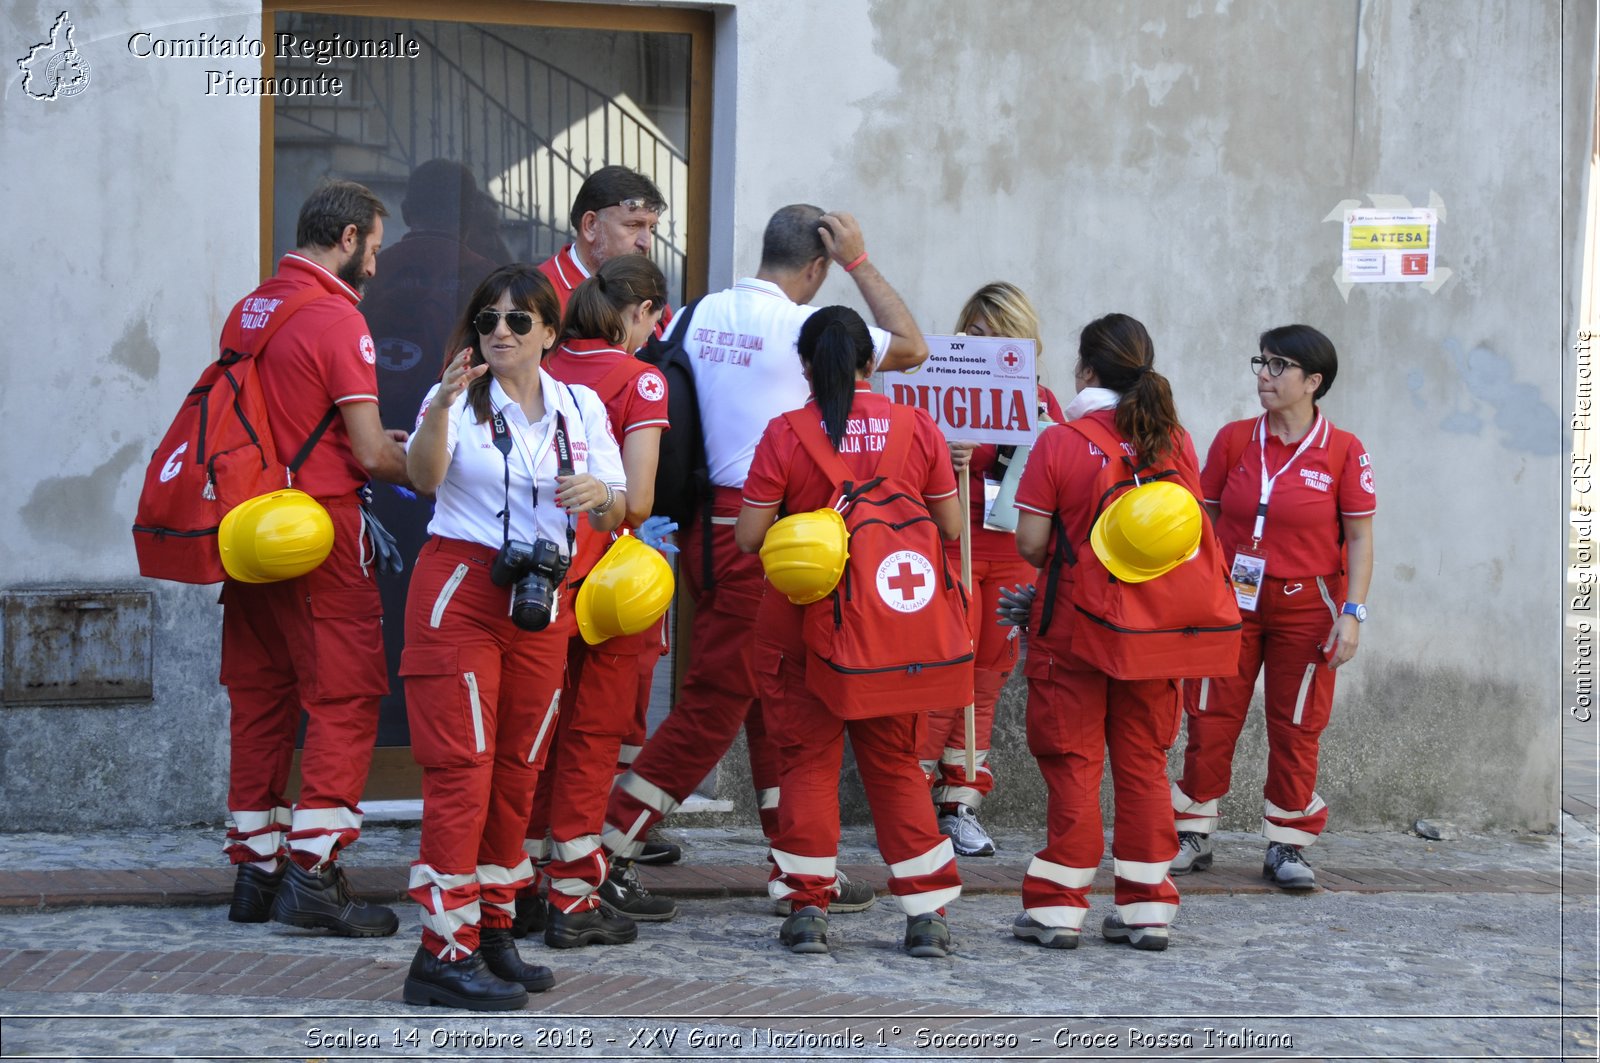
1355 609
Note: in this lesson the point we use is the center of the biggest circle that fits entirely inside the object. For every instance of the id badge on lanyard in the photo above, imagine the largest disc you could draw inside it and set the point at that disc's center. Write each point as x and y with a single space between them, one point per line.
991 493
1250 565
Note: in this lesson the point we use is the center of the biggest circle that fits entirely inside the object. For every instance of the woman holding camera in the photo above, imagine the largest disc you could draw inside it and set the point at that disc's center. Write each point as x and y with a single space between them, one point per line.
512 457
609 316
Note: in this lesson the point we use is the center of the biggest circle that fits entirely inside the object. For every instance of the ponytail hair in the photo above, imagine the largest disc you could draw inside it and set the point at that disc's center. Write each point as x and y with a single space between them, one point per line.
594 312
835 348
1119 351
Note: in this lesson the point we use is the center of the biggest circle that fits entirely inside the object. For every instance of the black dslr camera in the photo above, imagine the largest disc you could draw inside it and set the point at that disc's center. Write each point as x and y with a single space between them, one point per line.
535 571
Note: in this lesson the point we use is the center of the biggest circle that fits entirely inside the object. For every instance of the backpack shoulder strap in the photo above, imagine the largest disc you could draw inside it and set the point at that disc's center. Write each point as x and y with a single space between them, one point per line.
902 429
816 443
610 385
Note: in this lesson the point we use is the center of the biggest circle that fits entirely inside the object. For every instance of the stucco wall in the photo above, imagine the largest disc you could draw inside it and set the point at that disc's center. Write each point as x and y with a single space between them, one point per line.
1139 156
132 224
1147 158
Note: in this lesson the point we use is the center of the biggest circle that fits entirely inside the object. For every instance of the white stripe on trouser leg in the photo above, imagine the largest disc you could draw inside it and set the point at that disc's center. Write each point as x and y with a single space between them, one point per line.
1276 832
442 921
544 727
324 826
811 866
925 864
1148 874
1197 816
791 864
1064 915
578 850
935 859
767 798
1147 913
1300 698
928 766
648 793
477 710
625 844
1072 878
628 754
263 830
445 593
1205 694
1327 599
496 875
538 849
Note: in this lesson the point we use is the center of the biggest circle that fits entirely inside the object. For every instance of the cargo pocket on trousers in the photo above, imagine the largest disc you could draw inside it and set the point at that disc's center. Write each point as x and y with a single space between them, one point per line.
347 634
445 706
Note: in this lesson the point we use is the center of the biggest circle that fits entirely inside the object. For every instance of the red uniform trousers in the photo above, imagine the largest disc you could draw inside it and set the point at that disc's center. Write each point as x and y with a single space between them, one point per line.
597 711
633 741
313 643
482 697
810 745
945 747
718 694
1286 633
1075 715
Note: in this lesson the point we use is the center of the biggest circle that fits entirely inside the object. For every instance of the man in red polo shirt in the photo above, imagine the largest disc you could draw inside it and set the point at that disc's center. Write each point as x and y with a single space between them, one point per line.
314 643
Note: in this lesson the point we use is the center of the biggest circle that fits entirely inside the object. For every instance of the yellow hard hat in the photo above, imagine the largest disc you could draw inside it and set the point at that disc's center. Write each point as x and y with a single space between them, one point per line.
1148 531
275 537
627 590
804 554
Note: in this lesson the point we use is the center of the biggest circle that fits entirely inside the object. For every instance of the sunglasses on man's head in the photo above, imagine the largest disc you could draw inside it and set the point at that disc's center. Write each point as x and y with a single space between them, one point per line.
519 321
1273 365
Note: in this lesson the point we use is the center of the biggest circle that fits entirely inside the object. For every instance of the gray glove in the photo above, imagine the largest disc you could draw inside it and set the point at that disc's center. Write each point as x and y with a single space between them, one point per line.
1015 605
386 553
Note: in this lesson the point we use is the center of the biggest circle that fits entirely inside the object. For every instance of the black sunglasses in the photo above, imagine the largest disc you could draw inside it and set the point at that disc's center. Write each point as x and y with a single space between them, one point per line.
519 321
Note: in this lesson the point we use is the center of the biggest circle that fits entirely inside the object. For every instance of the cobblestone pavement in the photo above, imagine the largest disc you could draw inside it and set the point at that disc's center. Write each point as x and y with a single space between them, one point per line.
1434 965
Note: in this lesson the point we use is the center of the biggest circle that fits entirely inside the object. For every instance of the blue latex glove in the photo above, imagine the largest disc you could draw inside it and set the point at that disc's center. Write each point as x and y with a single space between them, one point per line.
404 492
1015 605
654 532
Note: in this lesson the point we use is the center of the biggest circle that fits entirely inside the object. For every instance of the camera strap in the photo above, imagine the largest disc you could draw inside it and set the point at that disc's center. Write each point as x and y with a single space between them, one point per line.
501 435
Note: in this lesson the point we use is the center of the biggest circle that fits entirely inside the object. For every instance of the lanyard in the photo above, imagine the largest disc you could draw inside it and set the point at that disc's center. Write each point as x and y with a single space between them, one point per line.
502 443
1267 482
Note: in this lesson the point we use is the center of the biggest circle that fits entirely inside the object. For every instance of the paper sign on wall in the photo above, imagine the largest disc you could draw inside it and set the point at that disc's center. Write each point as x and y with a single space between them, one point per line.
978 389
1390 245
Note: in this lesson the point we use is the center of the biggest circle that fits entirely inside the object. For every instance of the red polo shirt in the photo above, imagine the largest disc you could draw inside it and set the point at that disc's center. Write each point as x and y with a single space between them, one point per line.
321 357
566 273
1309 497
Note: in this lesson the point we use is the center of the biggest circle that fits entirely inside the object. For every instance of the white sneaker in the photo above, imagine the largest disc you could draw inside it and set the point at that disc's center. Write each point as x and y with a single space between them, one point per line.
1194 853
966 834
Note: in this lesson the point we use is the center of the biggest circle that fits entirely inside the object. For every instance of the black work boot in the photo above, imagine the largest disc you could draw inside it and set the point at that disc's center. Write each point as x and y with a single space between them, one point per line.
254 890
500 953
467 983
597 926
530 913
322 899
623 894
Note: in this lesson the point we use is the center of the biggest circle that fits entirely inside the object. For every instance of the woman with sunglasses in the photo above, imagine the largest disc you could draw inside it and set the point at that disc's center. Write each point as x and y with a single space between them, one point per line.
609 316
1292 498
513 457
996 309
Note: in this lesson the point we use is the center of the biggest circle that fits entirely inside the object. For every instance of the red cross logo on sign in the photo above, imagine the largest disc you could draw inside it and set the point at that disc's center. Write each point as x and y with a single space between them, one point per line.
905 581
1009 361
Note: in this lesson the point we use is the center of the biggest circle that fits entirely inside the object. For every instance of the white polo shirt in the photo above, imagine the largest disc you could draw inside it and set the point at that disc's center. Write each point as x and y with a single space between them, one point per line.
747 369
469 500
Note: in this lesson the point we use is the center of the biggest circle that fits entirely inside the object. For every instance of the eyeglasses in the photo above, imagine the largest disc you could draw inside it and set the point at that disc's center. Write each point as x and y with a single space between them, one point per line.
1272 364
633 203
518 321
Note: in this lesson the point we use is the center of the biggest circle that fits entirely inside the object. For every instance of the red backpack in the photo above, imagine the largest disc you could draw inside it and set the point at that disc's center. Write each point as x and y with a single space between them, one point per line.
893 637
217 453
1183 624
